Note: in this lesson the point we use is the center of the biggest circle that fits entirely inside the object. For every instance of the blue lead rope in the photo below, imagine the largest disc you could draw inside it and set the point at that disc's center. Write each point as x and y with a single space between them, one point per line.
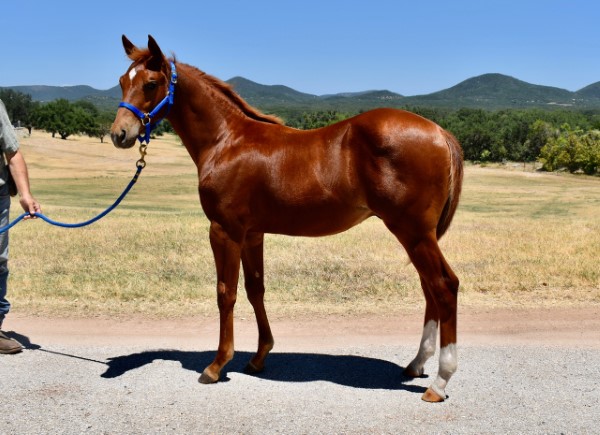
80 224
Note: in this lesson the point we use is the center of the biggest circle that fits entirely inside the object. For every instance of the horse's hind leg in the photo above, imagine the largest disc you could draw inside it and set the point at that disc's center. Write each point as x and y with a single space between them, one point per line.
253 265
440 286
429 338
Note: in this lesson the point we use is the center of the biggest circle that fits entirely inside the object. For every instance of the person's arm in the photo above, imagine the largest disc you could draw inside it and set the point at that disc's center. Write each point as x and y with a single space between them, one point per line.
18 170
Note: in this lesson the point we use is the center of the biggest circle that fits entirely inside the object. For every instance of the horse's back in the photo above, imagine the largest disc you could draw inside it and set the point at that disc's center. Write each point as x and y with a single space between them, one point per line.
395 129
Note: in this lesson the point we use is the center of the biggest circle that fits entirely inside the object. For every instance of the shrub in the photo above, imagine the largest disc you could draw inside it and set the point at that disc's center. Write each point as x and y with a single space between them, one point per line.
573 150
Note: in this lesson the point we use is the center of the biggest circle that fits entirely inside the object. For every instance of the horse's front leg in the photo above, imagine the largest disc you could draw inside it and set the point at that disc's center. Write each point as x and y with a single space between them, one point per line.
227 253
253 264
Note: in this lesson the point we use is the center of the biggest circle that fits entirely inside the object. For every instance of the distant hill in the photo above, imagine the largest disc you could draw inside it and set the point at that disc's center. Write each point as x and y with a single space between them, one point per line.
492 91
72 93
367 100
269 95
487 91
591 91
104 99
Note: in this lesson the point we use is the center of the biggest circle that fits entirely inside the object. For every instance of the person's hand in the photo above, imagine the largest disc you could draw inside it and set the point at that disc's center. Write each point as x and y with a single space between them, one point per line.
30 205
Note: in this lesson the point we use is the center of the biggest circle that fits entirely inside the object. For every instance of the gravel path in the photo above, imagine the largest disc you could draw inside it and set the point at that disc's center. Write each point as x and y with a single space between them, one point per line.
146 383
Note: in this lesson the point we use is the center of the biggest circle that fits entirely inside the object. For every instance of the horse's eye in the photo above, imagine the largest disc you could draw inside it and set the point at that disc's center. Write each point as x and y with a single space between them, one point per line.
150 86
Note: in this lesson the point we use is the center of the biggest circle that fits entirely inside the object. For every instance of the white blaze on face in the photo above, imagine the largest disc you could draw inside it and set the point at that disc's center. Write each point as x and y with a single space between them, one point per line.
132 74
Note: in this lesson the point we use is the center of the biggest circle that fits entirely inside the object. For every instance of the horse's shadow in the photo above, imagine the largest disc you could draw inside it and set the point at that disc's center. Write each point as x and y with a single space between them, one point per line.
349 370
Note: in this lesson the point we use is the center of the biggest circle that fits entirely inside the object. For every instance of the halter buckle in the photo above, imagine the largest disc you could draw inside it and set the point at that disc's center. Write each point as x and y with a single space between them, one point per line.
147 119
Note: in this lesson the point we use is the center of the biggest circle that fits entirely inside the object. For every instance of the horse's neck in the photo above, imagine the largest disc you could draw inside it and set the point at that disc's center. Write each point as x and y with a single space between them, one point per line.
198 117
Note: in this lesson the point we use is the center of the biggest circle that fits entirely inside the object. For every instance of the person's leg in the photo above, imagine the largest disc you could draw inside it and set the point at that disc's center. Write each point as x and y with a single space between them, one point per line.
4 220
7 344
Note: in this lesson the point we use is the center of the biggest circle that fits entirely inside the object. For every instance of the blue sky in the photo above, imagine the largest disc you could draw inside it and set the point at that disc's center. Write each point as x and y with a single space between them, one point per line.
318 47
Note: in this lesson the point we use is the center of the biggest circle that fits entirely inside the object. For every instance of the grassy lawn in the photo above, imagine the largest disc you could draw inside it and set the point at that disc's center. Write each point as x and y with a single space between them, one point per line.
519 239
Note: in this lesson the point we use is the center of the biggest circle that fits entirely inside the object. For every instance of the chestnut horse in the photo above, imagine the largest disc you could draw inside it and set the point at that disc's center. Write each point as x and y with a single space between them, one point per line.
258 176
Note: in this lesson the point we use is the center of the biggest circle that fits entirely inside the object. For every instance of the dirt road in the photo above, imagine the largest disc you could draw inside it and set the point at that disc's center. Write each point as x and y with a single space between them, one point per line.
519 371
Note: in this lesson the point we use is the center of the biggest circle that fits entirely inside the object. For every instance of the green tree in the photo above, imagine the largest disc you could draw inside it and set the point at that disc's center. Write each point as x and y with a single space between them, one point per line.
573 149
590 153
103 124
476 131
19 106
539 134
65 118
88 117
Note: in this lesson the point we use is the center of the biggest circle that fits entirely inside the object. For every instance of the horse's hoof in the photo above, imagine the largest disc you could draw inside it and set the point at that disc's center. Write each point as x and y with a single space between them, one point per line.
251 369
206 378
432 396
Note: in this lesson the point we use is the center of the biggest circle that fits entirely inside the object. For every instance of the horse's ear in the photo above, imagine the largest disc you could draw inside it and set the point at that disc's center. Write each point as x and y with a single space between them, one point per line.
157 57
128 45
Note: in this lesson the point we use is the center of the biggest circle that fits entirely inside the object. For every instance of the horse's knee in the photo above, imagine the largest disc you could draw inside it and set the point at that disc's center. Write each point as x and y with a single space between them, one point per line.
226 297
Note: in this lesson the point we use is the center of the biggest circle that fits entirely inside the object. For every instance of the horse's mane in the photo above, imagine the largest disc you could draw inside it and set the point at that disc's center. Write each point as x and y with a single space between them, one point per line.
226 90
138 55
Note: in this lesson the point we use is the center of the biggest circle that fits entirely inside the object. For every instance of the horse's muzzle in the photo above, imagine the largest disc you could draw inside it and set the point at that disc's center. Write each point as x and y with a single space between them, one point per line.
121 139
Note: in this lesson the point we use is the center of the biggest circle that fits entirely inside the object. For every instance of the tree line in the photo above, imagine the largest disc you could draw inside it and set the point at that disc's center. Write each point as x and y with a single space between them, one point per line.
559 139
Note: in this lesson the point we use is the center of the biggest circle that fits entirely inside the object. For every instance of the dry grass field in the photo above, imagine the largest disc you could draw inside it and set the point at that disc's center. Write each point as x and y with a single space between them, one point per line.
519 239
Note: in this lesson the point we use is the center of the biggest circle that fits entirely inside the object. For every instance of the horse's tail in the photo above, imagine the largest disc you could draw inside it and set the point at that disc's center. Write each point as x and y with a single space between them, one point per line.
455 185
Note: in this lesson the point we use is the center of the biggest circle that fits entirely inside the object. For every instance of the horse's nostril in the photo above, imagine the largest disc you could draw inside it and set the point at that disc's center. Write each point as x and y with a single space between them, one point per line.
119 138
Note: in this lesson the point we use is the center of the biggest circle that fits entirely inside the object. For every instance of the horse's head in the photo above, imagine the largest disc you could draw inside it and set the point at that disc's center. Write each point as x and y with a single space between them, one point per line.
144 85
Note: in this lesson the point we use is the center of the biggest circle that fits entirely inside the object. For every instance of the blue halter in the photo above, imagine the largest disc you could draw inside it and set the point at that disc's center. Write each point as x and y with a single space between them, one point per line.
146 118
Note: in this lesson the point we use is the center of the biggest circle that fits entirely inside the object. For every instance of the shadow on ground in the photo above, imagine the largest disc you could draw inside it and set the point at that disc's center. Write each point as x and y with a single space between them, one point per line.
348 370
